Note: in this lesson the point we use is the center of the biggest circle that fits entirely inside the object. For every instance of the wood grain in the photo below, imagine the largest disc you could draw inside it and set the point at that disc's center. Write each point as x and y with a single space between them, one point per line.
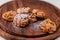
16 33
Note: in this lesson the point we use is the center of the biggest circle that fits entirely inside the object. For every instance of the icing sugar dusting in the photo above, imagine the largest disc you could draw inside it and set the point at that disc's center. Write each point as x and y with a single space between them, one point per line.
20 17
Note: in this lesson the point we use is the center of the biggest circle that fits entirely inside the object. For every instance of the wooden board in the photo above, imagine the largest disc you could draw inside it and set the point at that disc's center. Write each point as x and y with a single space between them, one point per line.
27 33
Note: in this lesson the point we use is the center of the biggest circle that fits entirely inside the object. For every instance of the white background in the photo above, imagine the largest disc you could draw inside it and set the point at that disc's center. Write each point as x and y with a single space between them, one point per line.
54 2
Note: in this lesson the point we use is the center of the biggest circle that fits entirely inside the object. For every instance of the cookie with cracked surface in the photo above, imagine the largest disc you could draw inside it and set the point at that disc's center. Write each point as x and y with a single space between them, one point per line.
9 15
48 26
21 20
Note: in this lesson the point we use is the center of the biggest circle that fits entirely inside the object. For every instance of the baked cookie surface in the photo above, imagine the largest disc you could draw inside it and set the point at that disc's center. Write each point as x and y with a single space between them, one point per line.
48 26
9 15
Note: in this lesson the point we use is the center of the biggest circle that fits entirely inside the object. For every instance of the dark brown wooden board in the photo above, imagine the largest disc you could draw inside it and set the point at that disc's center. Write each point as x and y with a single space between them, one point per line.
14 33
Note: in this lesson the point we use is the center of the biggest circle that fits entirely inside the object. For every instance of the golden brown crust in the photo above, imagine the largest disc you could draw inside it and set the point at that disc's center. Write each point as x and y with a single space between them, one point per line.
9 15
48 26
38 13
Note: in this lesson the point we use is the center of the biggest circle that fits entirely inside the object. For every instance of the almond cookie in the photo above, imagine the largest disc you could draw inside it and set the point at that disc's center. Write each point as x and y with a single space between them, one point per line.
9 15
48 26
38 13
23 10
21 20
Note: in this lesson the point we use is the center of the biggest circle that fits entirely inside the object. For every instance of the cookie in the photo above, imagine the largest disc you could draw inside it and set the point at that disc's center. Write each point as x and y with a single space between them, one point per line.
48 26
9 15
21 20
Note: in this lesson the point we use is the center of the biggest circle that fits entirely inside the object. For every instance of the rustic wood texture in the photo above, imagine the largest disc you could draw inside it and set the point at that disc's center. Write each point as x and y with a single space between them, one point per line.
16 33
